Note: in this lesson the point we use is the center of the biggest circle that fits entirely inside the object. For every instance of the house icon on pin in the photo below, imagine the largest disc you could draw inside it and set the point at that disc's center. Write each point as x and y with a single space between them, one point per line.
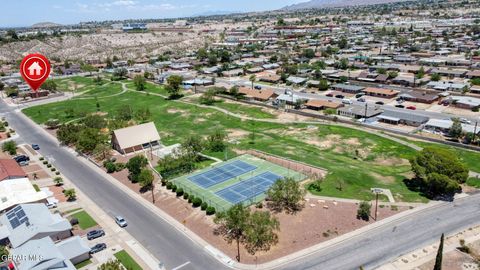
34 69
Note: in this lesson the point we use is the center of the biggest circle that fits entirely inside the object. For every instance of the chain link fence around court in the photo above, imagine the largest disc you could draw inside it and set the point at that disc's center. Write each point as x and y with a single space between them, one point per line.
212 195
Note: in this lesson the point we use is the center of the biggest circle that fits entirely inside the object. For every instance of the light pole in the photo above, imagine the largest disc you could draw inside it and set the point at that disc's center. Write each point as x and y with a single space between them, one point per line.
377 191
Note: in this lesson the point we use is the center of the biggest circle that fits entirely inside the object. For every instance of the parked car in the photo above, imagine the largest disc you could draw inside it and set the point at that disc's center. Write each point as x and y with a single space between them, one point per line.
411 108
95 234
121 221
361 94
400 106
361 99
346 101
51 205
380 103
340 96
465 121
258 87
329 95
21 158
98 247
35 147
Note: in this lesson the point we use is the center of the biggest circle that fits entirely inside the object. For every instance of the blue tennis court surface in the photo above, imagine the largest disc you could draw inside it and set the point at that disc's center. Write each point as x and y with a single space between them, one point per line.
221 174
249 188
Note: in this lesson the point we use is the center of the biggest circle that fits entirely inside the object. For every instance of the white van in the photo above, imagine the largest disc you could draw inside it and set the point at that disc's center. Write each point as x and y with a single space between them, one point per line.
346 101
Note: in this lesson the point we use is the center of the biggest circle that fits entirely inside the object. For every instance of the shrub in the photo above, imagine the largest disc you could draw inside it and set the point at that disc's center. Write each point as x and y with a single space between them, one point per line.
185 196
45 162
210 210
179 192
53 169
74 221
204 206
41 158
191 198
169 185
259 205
164 182
110 166
119 166
197 202
49 165
174 188
57 173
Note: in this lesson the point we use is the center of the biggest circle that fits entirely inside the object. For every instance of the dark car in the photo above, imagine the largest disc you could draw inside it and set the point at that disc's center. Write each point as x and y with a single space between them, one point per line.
35 147
258 87
329 95
400 106
95 234
380 103
340 96
411 108
21 158
98 247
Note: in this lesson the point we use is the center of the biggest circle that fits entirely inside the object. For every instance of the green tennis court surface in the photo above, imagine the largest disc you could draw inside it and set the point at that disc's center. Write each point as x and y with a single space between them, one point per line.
243 179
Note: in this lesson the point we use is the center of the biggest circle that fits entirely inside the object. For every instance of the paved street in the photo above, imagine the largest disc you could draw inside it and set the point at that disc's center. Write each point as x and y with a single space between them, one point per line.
371 249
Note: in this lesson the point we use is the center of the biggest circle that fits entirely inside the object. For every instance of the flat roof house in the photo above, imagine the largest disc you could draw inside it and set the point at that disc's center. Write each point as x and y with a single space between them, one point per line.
26 222
380 92
348 88
358 111
9 169
404 118
444 125
260 95
17 191
49 255
135 138
420 96
317 105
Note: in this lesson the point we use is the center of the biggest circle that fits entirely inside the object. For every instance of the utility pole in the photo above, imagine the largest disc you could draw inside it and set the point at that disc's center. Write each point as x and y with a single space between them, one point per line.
474 132
366 109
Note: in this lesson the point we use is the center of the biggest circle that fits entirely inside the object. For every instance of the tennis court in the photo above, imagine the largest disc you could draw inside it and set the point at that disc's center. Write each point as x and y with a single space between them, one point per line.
221 174
243 179
250 188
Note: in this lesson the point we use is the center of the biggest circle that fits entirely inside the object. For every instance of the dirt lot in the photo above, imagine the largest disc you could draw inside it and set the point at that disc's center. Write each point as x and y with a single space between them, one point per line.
319 221
453 260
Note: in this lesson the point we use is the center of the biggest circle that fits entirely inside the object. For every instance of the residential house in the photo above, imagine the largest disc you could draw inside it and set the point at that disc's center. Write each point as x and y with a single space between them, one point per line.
360 111
290 99
447 86
269 77
348 88
9 169
404 118
26 222
49 255
444 125
380 92
420 96
135 138
464 102
296 80
17 191
233 72
317 105
259 95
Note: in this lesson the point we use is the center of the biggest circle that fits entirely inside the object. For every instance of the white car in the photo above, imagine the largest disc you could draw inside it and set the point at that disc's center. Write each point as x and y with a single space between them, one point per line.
121 221
51 205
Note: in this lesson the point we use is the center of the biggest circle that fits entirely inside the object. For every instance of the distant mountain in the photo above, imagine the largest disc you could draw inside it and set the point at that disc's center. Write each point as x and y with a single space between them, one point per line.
45 25
337 3
214 13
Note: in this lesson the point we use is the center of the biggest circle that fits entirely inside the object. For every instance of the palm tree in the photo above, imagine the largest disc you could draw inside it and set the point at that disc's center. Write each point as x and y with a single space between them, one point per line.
252 79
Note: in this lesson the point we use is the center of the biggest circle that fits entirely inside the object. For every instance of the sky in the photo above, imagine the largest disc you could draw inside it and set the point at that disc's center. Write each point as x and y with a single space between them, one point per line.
27 12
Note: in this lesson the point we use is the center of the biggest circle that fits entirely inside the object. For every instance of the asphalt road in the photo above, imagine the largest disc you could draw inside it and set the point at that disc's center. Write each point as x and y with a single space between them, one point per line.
370 249
155 234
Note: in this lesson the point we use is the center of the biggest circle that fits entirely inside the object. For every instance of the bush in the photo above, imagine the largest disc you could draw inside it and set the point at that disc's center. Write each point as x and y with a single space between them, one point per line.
185 196
204 206
110 166
210 210
174 188
259 205
49 165
45 162
74 221
363 211
191 198
179 192
41 158
164 182
53 169
57 173
119 166
197 202
169 185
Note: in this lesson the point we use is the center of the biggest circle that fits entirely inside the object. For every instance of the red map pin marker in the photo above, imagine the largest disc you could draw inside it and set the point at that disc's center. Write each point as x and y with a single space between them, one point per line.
35 69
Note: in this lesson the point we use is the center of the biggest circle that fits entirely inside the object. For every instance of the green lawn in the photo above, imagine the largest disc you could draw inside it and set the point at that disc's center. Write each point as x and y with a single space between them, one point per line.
127 260
473 182
85 221
250 111
83 264
356 160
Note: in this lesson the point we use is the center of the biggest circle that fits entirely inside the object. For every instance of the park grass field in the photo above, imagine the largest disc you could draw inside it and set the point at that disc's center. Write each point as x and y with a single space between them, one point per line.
356 160
208 194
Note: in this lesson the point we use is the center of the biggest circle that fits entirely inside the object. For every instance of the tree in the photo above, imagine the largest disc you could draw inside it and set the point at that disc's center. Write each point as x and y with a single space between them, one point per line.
392 74
67 134
102 151
125 113
143 115
174 82
216 141
323 85
456 129
207 98
308 53
420 73
58 181
233 225
139 82
70 194
111 265
438 171
3 252
261 232
119 74
435 77
10 147
88 139
49 85
109 63
135 166
146 180
94 121
363 211
439 257
193 145
88 68
286 194
252 79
